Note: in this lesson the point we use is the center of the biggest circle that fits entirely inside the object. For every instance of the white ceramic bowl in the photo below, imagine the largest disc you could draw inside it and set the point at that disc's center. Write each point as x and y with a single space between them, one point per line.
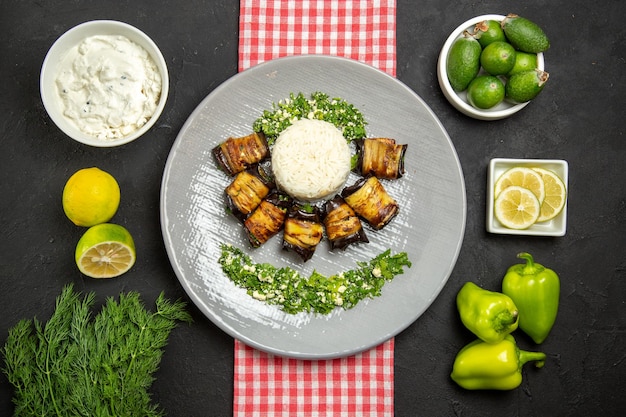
554 227
49 71
459 100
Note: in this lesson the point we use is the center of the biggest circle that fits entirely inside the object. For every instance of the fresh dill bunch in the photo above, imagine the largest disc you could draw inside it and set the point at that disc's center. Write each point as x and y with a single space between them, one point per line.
79 365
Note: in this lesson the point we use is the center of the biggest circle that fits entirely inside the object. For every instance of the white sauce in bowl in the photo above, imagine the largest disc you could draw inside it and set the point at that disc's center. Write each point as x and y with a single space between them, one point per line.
109 86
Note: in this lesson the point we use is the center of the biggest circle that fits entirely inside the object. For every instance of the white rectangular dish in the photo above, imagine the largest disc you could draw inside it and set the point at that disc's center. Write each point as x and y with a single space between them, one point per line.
554 227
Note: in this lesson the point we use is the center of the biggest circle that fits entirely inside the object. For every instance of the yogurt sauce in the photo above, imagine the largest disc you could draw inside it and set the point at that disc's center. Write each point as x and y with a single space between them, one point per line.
109 85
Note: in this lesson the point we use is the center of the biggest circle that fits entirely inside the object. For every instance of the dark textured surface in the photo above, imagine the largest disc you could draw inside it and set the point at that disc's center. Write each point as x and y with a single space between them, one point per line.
579 118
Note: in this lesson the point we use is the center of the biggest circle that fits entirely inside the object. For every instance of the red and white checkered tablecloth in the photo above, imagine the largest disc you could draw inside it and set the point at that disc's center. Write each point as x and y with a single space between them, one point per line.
364 30
266 385
272 386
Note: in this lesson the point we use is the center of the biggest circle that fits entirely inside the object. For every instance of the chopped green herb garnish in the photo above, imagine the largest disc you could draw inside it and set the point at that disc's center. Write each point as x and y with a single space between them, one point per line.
307 207
354 161
319 106
295 293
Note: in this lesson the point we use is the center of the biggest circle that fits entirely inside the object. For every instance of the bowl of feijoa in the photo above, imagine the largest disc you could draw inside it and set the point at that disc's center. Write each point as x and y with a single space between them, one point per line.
492 66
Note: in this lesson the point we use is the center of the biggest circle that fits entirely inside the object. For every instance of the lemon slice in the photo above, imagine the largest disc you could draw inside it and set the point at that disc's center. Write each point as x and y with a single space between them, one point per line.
105 251
556 195
521 177
517 207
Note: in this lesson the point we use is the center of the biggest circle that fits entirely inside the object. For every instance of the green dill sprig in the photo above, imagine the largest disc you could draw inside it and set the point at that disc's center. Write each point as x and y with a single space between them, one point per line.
319 106
317 293
79 365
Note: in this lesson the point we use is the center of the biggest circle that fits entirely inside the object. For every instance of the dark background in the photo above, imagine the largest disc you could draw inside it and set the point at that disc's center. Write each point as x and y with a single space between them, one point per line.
579 117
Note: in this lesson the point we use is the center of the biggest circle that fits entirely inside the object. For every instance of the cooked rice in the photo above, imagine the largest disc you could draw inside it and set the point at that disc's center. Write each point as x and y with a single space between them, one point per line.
311 160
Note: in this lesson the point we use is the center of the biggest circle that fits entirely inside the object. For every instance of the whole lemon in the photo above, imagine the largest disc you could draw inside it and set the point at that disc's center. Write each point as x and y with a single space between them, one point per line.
91 196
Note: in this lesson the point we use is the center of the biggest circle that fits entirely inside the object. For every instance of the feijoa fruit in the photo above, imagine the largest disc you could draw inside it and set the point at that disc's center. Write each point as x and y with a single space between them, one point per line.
463 61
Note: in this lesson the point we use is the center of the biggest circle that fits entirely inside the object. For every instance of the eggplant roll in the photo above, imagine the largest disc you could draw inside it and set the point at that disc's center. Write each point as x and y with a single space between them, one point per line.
247 190
369 199
380 157
237 154
343 226
267 219
303 231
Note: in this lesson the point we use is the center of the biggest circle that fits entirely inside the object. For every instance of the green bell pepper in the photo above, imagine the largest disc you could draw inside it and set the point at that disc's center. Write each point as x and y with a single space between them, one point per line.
497 366
535 290
489 315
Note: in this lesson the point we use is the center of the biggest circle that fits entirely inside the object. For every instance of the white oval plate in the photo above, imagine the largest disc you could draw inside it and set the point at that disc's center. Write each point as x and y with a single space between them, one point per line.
429 227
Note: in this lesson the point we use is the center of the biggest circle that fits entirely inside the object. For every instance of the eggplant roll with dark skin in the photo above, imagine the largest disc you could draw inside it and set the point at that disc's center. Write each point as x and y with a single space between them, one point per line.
369 199
380 157
267 219
303 231
343 226
237 154
247 190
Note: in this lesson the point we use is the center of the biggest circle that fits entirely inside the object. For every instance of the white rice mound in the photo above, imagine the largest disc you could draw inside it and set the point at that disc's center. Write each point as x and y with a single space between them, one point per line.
311 160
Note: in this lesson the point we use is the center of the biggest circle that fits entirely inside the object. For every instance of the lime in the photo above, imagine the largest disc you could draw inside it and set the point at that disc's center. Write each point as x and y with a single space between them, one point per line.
525 86
498 58
517 208
90 196
485 92
463 61
524 61
524 35
521 177
105 251
488 31
556 195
